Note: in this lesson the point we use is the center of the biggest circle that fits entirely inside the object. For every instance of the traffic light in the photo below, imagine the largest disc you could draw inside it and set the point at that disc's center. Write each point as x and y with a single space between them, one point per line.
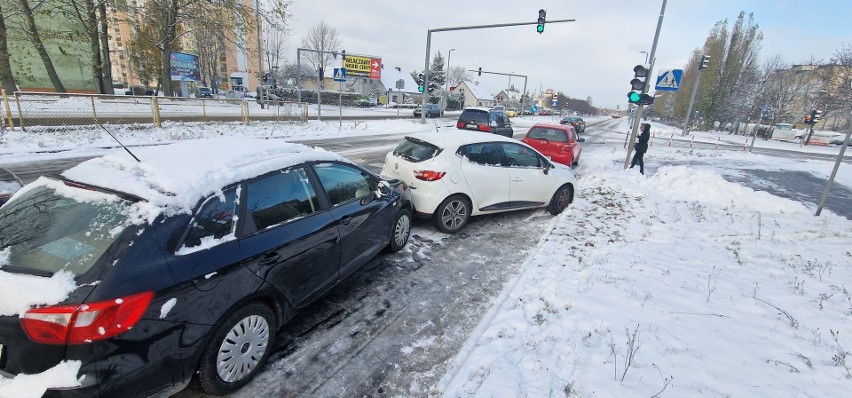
432 87
265 77
705 62
540 27
637 85
807 119
480 71
420 87
816 115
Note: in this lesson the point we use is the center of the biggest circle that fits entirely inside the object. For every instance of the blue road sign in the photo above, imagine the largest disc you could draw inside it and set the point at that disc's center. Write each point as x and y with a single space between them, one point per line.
669 80
340 74
553 103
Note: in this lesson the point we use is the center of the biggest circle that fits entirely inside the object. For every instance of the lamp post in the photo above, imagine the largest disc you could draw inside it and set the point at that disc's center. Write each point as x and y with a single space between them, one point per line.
447 78
646 56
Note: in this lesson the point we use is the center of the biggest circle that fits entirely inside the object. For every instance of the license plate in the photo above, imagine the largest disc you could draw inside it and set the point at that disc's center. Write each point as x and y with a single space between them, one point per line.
472 126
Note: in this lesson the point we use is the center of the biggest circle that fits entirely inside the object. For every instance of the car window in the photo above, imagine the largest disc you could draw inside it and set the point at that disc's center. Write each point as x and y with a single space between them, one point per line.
574 136
343 183
521 156
280 197
415 150
44 231
214 219
475 116
542 133
486 153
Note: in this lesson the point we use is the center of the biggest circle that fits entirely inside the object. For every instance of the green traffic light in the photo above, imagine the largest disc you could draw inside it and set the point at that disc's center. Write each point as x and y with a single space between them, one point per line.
539 28
420 88
633 97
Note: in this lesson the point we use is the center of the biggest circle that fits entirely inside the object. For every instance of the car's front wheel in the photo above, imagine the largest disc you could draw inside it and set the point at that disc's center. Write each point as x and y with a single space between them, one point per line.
452 214
401 231
561 199
237 349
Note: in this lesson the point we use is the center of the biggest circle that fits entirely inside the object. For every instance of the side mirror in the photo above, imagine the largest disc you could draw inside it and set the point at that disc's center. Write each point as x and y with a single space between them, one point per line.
382 189
581 139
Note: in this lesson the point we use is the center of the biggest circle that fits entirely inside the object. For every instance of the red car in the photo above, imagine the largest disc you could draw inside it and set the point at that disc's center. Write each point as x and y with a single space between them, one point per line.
559 143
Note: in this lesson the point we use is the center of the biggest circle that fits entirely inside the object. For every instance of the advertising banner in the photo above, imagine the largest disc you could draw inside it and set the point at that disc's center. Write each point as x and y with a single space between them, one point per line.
185 67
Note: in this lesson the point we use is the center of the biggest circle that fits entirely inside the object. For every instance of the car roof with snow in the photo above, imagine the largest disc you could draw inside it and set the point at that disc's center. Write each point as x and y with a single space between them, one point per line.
178 175
458 138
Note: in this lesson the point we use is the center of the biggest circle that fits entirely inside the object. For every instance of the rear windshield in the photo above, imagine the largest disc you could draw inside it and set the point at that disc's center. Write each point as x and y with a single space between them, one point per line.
415 150
542 133
43 232
476 116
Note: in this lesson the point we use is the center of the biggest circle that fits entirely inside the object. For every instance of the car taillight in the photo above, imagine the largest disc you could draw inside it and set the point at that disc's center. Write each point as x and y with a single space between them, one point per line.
460 124
483 127
84 323
428 175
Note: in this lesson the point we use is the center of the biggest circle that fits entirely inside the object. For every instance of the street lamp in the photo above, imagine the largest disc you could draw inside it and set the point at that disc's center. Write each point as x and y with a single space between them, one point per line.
646 56
447 78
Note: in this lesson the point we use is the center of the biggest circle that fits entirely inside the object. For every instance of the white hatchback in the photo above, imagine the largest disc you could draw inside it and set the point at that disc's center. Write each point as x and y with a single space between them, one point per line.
455 176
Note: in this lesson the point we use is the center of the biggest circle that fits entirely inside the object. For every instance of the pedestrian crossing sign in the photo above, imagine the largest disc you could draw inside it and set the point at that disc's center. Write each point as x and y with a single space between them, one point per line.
669 80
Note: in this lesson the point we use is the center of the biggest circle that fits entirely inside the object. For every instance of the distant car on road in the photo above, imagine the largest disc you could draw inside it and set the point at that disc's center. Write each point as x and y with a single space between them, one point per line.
545 112
614 116
560 143
9 184
485 120
205 92
511 112
432 110
455 176
578 123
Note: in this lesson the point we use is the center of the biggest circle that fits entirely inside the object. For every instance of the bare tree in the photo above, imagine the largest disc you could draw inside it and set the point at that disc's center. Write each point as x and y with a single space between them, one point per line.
458 74
31 31
323 37
6 77
275 49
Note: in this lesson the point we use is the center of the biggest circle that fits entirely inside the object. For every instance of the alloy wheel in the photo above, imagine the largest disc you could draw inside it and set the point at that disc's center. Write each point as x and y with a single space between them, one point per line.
454 214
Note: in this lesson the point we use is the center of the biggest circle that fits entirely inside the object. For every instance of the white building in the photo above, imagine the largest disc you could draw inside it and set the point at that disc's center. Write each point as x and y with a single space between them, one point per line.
474 94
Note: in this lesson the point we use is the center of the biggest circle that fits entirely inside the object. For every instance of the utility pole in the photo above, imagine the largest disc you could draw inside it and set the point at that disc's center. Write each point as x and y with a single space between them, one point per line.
540 24
645 89
701 65
834 171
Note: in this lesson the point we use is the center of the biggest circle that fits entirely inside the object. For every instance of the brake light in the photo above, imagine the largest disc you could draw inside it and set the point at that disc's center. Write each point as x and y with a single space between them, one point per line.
85 323
429 175
460 124
483 127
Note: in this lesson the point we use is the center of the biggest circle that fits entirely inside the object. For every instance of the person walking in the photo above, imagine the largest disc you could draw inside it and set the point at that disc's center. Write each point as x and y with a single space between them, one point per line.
641 147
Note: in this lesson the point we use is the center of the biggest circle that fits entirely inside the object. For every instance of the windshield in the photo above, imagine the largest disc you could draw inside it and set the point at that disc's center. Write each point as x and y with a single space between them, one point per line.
43 232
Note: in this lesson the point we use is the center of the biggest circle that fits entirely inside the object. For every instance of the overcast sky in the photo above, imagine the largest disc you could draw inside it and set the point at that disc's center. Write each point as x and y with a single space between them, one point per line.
592 57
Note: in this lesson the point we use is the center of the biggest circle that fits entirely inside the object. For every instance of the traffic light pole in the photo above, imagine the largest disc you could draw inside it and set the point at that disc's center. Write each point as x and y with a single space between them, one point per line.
429 49
507 74
645 89
691 101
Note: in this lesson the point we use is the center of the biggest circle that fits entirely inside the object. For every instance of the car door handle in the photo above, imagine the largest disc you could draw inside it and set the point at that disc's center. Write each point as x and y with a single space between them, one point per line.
345 220
270 259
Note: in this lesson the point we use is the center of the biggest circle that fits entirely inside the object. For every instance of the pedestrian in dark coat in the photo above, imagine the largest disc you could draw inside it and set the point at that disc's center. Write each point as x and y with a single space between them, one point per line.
641 147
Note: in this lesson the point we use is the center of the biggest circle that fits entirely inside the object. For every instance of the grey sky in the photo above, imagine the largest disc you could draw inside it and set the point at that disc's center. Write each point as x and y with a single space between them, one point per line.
593 56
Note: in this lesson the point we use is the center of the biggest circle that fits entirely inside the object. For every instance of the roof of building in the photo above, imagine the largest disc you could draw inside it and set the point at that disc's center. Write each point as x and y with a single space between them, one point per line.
477 91
391 75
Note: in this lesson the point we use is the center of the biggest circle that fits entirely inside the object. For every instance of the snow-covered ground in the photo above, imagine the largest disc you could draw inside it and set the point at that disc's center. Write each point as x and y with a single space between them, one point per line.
676 283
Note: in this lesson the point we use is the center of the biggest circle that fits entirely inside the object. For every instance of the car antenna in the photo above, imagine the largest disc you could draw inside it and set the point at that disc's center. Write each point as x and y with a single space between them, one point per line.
119 142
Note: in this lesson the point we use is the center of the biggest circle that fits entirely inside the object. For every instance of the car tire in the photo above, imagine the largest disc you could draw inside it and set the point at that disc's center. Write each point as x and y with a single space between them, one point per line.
251 331
561 198
400 231
452 214
575 162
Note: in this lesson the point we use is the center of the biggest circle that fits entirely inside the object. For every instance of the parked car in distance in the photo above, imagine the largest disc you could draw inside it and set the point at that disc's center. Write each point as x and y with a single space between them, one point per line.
511 112
455 176
578 123
559 143
615 116
838 139
527 112
432 110
545 112
9 184
485 120
184 265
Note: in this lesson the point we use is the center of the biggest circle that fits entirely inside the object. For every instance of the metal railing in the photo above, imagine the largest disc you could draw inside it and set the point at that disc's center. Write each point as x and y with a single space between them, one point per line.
59 111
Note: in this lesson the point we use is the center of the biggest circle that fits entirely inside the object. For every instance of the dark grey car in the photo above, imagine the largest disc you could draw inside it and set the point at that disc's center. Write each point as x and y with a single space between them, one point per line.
486 120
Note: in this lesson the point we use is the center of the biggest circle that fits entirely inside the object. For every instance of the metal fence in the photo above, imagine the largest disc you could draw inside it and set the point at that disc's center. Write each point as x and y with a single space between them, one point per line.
58 111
